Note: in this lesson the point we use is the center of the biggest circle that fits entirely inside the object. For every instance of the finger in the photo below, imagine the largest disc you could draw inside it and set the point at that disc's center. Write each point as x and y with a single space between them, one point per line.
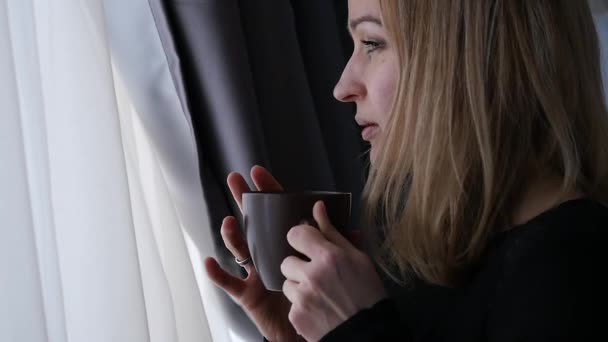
264 180
227 282
290 290
237 185
319 213
234 241
308 240
293 268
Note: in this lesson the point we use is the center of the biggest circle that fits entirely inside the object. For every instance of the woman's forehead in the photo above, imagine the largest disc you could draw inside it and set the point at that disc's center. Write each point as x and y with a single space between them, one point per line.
358 8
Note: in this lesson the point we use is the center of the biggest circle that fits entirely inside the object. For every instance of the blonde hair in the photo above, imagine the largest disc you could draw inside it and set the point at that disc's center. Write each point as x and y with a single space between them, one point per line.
491 93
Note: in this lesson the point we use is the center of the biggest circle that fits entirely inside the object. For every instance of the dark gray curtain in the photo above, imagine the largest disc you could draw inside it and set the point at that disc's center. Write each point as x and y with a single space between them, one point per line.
258 79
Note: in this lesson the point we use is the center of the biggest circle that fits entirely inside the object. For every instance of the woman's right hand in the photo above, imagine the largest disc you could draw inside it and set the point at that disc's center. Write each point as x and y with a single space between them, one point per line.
269 310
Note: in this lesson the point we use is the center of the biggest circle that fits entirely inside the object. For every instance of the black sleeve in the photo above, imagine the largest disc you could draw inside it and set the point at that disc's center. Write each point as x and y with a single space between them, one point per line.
379 323
382 322
552 291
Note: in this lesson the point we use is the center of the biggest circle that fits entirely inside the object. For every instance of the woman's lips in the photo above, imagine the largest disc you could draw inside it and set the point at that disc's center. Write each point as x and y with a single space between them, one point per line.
369 132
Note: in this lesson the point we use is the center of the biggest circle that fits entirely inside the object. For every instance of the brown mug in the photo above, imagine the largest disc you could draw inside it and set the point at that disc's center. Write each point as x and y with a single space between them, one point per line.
268 216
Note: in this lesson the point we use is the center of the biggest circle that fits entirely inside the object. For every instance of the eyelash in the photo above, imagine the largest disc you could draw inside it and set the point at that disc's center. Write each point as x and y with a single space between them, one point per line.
371 46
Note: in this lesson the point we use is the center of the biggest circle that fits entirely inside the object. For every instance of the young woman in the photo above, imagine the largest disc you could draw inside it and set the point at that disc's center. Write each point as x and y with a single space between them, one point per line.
489 153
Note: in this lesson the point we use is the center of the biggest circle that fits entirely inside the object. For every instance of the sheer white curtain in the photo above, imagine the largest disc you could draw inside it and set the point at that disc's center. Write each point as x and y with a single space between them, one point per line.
102 218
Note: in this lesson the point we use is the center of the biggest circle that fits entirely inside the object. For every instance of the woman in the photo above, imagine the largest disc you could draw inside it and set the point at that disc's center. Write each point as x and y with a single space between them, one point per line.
489 158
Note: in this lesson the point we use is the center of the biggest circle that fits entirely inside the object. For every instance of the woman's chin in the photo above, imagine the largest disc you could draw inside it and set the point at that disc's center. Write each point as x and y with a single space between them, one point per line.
372 155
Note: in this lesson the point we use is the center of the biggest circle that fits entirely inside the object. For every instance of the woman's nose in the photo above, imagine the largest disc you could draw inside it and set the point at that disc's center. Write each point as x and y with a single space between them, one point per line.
349 88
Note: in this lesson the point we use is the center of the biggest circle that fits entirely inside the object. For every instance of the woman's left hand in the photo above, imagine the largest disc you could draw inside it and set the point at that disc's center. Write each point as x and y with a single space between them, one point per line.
337 282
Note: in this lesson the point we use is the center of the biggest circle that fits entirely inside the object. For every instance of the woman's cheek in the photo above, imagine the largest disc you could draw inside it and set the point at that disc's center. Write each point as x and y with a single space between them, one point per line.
386 91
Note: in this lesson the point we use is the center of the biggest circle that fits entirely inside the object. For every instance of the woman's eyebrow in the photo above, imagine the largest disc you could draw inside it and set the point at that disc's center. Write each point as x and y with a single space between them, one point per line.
366 18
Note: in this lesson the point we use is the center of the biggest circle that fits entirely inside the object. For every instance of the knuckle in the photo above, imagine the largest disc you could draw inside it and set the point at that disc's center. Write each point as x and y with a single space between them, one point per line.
250 269
296 316
295 231
284 265
224 232
328 261
314 284
291 293
252 273
315 281
227 232
328 258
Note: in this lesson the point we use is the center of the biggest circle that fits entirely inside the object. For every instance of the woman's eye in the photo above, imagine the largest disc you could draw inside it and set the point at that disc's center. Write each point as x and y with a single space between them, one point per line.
371 45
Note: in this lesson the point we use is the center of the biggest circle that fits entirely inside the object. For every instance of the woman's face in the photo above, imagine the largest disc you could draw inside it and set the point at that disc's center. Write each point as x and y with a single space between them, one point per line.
370 77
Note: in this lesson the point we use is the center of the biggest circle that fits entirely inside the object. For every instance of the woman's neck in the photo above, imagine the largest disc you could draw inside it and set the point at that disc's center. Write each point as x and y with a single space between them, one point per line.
539 196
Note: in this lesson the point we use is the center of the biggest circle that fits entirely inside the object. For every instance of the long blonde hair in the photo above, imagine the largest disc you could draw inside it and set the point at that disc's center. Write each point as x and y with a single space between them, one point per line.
490 93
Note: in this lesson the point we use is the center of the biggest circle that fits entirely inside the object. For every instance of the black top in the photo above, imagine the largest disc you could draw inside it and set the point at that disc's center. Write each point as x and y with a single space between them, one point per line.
541 281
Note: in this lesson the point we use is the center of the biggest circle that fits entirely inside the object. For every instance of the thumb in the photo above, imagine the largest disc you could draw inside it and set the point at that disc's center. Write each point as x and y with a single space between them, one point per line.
319 213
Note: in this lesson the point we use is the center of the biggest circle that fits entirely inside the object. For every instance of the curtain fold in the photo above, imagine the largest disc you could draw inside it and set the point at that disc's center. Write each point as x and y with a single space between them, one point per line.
100 202
19 282
601 22
325 46
144 67
248 84
120 122
258 79
598 6
80 222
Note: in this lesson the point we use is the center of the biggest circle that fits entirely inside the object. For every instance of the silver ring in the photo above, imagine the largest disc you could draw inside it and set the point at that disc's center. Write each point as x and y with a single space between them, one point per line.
244 262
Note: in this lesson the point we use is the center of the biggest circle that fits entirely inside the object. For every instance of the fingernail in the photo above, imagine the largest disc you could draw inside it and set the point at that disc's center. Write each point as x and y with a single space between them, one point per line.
322 205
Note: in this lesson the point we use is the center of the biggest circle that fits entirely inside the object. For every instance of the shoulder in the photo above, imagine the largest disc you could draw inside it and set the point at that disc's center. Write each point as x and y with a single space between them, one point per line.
564 243
574 231
551 279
